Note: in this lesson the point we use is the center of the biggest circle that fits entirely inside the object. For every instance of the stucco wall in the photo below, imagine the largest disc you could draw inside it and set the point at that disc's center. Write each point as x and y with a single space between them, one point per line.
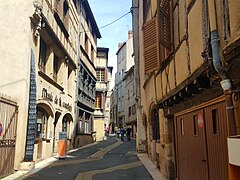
99 128
15 35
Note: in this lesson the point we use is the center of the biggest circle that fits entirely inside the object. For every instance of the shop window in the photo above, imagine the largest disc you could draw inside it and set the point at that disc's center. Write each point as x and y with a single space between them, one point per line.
42 56
42 121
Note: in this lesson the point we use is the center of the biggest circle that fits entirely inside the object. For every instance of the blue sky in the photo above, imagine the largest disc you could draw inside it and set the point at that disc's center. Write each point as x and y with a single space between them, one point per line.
106 11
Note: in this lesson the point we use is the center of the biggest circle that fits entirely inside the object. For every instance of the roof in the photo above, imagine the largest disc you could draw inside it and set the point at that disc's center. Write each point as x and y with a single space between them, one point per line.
92 19
128 72
120 48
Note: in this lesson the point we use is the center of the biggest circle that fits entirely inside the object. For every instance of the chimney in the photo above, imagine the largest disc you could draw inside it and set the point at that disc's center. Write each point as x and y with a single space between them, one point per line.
120 45
130 34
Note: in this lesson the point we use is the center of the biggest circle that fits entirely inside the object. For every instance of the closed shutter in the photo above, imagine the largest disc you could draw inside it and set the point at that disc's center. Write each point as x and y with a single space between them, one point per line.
164 23
106 75
151 48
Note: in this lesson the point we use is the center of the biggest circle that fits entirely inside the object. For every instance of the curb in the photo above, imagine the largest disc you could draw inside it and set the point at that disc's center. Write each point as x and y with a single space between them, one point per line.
42 163
151 168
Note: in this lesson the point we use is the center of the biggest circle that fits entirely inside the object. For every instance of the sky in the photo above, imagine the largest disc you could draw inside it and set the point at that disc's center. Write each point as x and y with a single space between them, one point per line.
105 12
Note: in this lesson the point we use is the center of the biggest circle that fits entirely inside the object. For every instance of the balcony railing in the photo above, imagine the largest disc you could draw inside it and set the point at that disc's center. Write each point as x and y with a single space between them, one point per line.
101 86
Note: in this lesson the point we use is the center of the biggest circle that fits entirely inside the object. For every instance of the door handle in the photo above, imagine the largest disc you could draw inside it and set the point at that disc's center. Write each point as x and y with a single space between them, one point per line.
204 160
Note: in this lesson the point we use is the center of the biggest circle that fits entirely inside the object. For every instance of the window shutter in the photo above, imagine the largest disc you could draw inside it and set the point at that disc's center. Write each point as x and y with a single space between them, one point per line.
164 24
151 49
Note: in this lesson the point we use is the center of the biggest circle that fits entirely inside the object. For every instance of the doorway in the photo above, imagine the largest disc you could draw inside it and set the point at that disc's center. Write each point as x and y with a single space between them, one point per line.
201 136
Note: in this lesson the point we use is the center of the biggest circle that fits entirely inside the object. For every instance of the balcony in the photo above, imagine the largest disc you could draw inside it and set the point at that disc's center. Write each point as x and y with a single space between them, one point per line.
101 86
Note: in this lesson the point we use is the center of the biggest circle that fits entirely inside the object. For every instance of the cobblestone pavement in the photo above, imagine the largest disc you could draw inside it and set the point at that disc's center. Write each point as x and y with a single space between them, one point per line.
110 159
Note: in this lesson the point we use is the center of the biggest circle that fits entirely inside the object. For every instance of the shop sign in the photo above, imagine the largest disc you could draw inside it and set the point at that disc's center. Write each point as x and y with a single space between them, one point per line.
62 136
200 120
56 100
47 95
67 106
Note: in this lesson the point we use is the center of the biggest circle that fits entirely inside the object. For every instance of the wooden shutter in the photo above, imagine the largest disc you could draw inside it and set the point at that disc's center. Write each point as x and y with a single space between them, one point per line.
164 23
151 50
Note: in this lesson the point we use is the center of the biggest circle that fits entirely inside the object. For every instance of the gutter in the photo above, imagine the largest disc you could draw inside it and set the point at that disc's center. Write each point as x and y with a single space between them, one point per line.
226 81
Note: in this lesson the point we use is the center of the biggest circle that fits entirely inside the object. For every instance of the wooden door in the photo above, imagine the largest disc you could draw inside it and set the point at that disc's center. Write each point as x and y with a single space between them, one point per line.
202 143
191 147
216 132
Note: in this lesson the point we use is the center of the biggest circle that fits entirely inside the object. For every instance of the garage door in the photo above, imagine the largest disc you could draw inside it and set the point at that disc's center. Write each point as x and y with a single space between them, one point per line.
201 139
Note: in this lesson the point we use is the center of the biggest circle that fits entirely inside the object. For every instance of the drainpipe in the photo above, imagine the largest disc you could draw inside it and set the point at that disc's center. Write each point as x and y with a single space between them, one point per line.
226 82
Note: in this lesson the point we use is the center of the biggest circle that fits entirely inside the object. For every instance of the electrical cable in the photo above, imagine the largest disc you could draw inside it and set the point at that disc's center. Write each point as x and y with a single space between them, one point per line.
115 20
109 23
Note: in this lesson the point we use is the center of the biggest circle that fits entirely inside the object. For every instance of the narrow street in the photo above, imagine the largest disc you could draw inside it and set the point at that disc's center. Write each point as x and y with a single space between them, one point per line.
110 159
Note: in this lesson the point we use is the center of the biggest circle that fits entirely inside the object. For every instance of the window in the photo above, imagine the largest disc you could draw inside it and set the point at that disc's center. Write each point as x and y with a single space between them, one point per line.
134 109
195 125
146 5
157 38
55 67
129 111
80 126
155 125
42 121
101 75
86 44
69 79
92 53
151 48
214 122
182 127
42 56
64 125
65 8
86 127
122 73
98 101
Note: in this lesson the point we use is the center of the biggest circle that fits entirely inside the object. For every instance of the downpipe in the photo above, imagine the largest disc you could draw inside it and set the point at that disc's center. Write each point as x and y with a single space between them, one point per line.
225 83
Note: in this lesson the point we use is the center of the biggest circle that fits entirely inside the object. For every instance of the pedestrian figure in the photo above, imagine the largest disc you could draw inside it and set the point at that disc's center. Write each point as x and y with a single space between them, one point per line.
129 130
122 131
118 132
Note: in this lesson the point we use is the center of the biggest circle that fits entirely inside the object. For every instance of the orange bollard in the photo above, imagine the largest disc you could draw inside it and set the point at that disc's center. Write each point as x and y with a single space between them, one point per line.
62 146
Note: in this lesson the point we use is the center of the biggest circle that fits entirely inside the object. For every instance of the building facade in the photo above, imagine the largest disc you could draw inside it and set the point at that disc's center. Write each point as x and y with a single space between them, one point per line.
40 69
102 88
185 61
130 101
124 62
87 78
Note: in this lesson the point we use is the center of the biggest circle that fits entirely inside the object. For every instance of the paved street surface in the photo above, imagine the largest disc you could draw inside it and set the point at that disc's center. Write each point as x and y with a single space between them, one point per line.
109 160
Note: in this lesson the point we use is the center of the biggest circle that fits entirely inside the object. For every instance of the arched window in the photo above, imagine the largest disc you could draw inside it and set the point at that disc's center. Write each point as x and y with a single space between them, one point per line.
42 121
